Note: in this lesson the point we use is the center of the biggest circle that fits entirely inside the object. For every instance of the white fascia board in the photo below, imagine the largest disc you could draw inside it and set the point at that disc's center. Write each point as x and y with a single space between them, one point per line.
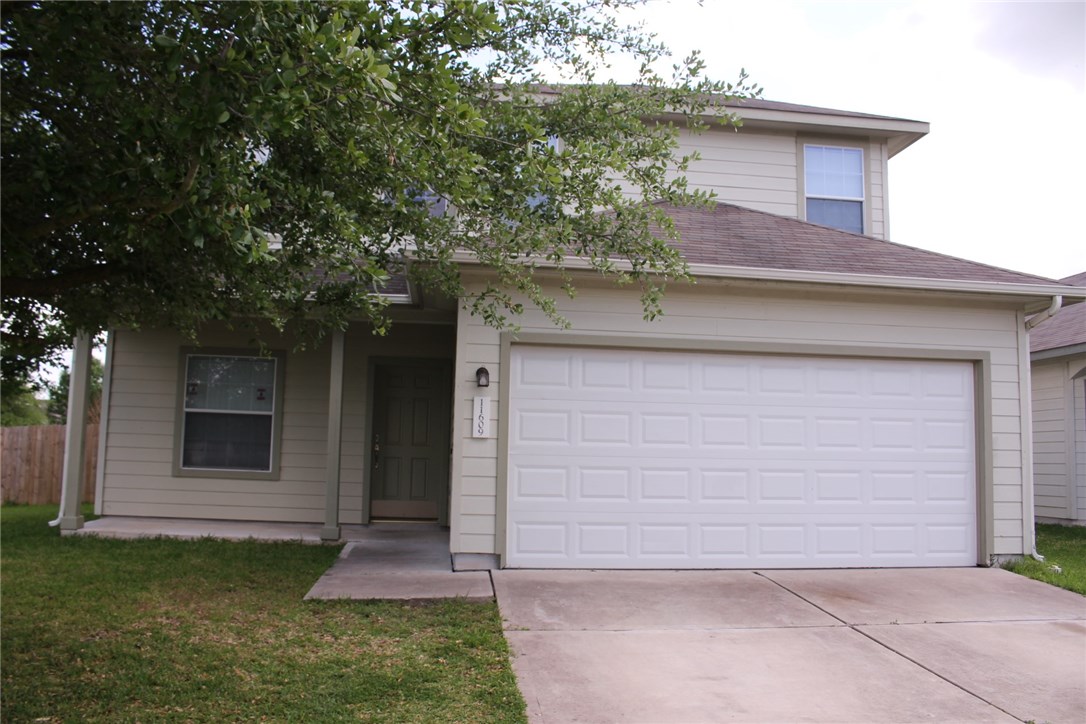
891 282
1071 295
887 126
900 133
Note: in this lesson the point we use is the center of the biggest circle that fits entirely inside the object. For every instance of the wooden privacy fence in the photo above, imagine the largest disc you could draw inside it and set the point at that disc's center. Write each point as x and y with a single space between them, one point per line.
32 463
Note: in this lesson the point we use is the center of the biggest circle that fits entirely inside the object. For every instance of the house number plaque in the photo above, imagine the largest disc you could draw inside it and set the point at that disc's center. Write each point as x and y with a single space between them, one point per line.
480 417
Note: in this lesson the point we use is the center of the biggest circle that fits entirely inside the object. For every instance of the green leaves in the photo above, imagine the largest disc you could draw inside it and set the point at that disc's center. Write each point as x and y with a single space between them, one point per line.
150 151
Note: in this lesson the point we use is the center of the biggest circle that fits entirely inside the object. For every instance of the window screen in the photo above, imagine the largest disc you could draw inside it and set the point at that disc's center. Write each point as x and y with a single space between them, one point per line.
229 412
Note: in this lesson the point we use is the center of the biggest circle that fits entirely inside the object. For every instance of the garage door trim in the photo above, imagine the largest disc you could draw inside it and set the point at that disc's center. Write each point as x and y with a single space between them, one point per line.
982 406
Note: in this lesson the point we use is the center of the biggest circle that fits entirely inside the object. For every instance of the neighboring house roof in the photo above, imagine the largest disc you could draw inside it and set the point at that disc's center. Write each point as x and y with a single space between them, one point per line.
1066 328
729 235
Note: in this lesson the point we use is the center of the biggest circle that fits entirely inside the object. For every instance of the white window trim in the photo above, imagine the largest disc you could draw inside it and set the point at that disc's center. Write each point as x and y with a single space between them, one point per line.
802 143
179 470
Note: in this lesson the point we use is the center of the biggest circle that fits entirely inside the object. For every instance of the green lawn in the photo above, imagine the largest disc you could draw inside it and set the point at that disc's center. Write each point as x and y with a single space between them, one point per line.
158 630
1064 548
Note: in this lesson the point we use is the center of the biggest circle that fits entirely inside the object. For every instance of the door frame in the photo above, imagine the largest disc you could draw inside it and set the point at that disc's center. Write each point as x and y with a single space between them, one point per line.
445 371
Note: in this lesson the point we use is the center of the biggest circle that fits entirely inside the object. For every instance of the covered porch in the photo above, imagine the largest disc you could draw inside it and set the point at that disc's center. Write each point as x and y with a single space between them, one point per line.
334 464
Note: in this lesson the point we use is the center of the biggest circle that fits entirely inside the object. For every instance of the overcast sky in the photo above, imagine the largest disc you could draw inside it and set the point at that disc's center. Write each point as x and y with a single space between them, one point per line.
1000 177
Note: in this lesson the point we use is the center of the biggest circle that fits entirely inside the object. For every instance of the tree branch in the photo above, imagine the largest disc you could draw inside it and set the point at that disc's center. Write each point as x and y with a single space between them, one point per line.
180 197
164 207
46 228
44 288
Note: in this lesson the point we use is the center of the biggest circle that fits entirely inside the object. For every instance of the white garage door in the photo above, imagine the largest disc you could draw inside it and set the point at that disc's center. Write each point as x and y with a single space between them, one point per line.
634 459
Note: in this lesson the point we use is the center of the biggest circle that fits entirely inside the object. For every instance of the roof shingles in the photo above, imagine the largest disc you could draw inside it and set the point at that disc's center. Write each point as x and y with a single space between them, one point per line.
1065 328
729 235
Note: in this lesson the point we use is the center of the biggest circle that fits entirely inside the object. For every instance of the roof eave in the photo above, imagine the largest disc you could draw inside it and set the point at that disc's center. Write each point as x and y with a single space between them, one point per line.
1036 296
899 133
1041 294
1057 352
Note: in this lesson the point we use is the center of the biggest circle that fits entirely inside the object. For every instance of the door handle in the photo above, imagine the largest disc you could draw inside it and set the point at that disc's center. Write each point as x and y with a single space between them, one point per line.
376 451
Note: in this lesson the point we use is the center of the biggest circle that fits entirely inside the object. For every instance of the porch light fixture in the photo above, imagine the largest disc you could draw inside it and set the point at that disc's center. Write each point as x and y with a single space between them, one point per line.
482 377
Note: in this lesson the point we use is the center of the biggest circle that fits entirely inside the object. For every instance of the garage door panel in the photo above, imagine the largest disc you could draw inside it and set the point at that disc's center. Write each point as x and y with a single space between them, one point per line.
562 423
552 374
647 459
541 482
614 541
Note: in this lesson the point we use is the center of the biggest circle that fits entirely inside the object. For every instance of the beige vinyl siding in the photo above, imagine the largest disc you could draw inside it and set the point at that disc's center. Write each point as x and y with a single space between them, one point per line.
876 187
1059 439
760 169
138 478
473 502
1051 493
1078 388
749 314
752 169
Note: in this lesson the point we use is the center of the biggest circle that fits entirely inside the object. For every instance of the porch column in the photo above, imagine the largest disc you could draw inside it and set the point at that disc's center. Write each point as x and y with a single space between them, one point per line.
71 485
330 531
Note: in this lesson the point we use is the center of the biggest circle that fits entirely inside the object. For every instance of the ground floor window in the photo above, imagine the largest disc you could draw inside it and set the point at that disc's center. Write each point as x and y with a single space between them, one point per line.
230 410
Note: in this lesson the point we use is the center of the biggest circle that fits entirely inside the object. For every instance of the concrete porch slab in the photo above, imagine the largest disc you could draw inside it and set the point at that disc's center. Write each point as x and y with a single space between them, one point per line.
930 595
620 600
991 660
133 527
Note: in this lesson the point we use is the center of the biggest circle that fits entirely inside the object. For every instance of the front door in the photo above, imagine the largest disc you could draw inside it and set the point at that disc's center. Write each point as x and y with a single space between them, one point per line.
409 453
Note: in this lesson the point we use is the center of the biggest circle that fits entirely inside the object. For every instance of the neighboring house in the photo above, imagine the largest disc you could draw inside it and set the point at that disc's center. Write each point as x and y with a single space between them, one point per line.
1058 358
819 398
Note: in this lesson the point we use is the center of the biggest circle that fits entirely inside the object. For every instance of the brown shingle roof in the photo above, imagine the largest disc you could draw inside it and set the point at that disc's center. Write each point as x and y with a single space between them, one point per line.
797 108
729 235
1067 327
759 103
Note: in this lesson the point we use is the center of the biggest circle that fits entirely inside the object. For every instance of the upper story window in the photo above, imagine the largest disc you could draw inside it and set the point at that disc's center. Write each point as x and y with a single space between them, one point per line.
551 145
833 179
230 411
435 205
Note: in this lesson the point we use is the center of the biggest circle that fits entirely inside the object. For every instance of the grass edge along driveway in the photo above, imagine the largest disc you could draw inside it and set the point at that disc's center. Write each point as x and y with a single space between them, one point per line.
1064 550
109 630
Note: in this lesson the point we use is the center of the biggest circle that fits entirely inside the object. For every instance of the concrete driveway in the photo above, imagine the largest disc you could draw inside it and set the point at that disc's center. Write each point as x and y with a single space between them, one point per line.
887 645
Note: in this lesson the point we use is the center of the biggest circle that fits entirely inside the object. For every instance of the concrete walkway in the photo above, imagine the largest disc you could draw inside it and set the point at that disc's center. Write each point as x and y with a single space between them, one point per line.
400 562
889 645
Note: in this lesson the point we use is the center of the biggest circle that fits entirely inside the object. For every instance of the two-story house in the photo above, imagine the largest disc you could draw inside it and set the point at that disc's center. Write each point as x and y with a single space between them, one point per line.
821 397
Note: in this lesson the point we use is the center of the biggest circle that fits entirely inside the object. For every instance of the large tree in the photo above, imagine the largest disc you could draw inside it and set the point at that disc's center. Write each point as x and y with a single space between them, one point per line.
57 407
169 163
19 405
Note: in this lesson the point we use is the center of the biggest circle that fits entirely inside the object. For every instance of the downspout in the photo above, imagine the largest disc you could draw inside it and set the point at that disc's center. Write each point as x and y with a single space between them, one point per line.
1057 303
